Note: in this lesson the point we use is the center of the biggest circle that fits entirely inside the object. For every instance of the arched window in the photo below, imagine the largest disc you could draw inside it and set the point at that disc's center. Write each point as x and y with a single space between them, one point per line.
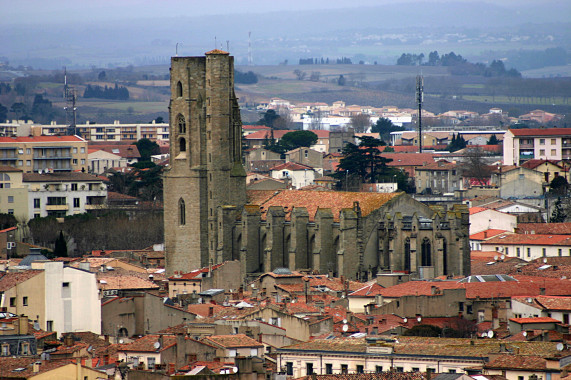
426 253
182 145
181 124
181 212
407 255
179 90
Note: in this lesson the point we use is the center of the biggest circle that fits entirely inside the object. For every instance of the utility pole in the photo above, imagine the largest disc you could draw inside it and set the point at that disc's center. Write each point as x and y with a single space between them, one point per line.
70 108
419 99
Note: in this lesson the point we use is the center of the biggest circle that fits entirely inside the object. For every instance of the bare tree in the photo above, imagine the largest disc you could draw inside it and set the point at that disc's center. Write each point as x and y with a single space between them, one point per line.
285 121
300 75
474 165
315 75
361 122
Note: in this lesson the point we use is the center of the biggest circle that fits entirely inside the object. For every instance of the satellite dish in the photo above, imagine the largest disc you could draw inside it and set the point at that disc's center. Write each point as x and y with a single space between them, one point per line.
234 369
545 260
524 333
496 257
253 285
344 321
89 349
490 334
120 341
484 334
157 345
560 346
419 319
502 257
405 320
345 328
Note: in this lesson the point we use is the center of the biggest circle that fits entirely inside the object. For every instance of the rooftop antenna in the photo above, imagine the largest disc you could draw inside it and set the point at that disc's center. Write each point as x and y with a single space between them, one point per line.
215 43
70 108
228 46
419 100
250 61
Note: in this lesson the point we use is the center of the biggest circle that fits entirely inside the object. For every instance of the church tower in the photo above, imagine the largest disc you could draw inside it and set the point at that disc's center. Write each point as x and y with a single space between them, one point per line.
205 172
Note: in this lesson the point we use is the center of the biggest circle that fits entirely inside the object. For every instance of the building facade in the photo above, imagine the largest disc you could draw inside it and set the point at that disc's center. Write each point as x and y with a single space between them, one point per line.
209 217
521 145
45 153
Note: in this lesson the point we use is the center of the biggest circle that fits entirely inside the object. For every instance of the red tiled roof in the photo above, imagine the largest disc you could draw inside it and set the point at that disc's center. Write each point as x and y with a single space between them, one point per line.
475 210
532 164
409 159
9 280
554 302
314 200
255 127
486 234
195 274
517 362
291 166
232 341
147 344
124 282
535 320
541 132
369 290
544 228
122 150
530 239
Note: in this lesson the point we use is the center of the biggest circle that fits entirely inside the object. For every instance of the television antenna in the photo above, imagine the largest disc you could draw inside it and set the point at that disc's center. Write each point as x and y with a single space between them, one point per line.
70 105
419 100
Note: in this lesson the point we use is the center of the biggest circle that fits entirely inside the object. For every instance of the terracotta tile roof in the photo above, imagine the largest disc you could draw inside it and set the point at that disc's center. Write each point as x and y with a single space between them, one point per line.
147 344
482 265
255 127
408 159
203 309
216 52
369 290
541 132
196 274
113 196
40 139
532 164
430 346
530 239
6 168
554 302
314 200
486 234
122 150
544 228
9 280
291 166
10 367
369 376
517 362
232 341
439 165
107 282
535 320
475 210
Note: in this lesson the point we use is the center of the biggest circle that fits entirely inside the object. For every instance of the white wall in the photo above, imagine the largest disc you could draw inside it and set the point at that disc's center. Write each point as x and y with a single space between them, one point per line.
491 219
76 307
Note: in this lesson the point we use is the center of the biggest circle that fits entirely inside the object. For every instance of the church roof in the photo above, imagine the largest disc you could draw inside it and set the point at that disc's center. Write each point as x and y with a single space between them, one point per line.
314 200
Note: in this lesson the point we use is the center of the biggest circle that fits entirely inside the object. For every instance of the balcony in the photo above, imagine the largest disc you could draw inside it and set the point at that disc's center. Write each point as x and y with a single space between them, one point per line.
57 207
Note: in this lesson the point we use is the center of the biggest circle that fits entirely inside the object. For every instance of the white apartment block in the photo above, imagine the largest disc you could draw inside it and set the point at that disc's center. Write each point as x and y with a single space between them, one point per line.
521 145
115 131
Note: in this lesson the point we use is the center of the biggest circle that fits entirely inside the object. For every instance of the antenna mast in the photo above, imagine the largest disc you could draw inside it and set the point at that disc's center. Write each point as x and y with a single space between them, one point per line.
70 108
250 61
419 99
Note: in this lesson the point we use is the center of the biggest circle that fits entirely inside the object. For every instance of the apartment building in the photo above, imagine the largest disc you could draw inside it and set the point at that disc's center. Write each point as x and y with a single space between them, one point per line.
45 153
114 131
63 194
521 145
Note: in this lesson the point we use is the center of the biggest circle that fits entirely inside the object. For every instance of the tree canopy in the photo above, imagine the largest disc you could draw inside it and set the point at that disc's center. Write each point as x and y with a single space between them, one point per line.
384 127
147 148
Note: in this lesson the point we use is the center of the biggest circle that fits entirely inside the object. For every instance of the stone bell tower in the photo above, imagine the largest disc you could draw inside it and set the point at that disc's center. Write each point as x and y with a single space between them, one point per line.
205 172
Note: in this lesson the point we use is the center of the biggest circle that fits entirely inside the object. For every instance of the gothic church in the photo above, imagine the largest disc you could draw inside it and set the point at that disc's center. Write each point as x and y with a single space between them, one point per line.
209 217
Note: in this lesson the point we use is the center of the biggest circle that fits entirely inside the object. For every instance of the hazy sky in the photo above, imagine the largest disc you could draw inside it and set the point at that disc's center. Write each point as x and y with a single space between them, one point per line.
44 11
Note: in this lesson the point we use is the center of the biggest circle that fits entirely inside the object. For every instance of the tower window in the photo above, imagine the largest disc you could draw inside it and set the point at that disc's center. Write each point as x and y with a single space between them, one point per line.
181 124
179 90
182 145
182 212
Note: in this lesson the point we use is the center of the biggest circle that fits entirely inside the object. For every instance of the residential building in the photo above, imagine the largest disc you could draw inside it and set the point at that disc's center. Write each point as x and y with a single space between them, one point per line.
230 346
45 153
115 131
558 308
14 194
62 194
517 367
407 354
104 157
529 247
36 369
299 175
521 145
439 177
482 219
306 156
58 298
